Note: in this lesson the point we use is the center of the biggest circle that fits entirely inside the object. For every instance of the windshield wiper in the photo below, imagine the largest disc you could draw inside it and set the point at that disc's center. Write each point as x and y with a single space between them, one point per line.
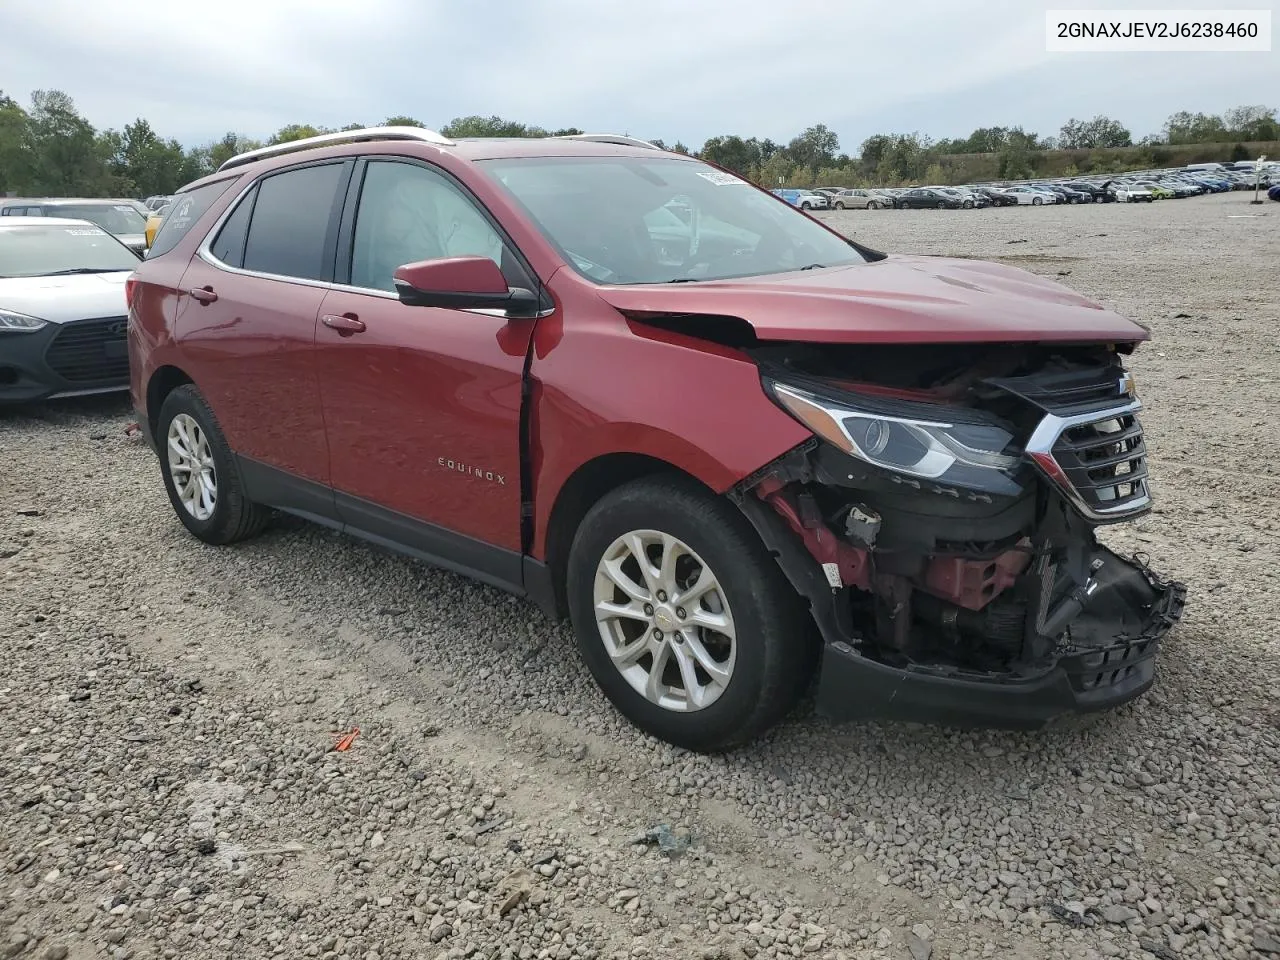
685 280
814 266
69 272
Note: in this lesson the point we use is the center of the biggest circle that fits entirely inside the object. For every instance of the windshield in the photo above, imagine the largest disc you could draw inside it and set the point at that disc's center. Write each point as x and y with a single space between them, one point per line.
44 249
662 220
116 218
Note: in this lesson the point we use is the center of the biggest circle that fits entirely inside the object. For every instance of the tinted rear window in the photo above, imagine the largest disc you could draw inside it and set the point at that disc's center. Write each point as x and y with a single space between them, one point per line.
229 245
291 222
185 210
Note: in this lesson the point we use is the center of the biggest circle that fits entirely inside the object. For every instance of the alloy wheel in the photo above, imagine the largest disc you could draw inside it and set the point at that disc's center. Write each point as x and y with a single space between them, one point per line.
195 477
665 621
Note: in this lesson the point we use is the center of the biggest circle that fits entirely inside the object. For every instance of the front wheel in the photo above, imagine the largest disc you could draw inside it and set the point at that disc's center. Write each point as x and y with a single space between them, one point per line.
873 205
200 472
941 205
1036 201
805 206
684 618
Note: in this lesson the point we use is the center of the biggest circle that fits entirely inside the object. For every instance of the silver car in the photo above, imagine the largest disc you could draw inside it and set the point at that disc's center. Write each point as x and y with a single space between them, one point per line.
860 200
118 217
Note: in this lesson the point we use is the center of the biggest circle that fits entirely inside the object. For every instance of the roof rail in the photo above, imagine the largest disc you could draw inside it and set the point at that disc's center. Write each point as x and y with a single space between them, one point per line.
617 138
332 139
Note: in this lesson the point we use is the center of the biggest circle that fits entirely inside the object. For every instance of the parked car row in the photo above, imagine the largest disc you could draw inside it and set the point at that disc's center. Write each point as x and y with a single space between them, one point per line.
1138 187
121 218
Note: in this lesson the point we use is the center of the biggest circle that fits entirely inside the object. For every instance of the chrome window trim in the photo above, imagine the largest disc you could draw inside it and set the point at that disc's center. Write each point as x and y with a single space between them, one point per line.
1050 430
206 254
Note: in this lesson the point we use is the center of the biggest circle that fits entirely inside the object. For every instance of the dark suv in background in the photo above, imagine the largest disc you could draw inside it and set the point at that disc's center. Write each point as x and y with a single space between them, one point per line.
733 446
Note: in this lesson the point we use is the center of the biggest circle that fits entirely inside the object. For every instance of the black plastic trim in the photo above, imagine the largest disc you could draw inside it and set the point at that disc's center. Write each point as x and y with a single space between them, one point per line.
496 566
273 487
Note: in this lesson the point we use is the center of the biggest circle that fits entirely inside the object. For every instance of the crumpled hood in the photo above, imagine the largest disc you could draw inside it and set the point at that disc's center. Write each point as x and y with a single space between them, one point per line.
63 299
895 300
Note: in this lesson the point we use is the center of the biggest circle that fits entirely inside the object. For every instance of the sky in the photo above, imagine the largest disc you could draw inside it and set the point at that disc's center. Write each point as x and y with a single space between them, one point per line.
679 70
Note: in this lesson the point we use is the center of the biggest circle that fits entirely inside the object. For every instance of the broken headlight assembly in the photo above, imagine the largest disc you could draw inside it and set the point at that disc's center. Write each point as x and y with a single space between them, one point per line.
955 446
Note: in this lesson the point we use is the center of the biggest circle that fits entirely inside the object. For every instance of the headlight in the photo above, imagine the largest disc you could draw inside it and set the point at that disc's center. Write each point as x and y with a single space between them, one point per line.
11 322
949 446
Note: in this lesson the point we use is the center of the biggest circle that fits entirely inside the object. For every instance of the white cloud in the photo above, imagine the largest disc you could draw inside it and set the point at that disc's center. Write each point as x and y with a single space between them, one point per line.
667 68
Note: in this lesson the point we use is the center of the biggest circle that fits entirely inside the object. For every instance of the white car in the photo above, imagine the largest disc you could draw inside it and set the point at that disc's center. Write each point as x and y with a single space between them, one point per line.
1132 193
63 313
1032 196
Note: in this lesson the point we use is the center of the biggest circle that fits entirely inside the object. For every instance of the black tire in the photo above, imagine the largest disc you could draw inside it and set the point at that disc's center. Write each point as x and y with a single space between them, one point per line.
941 205
873 205
1037 201
234 516
968 204
775 638
805 206
839 205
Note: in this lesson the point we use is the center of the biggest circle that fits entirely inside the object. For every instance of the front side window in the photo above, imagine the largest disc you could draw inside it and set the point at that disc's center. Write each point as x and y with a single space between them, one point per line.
52 249
290 224
602 215
408 213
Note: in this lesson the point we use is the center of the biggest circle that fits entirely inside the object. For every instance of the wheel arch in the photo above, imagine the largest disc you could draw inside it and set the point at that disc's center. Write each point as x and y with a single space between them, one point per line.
590 482
164 380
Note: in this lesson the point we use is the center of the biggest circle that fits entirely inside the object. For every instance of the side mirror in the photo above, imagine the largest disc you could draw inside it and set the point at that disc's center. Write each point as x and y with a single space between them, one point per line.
461 283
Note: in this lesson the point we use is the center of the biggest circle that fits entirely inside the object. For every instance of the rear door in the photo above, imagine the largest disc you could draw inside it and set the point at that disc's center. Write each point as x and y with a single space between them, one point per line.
247 326
423 404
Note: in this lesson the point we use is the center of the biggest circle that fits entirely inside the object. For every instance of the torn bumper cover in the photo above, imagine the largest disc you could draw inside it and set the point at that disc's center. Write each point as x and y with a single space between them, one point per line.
1110 661
1108 635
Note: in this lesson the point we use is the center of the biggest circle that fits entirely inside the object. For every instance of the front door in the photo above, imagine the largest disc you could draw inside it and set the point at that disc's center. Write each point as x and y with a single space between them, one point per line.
421 404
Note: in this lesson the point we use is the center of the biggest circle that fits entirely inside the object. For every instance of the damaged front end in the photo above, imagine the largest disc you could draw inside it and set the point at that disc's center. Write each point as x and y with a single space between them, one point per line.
942 525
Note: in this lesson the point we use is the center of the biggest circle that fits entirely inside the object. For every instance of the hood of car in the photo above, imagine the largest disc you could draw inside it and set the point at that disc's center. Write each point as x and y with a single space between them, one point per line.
63 299
895 300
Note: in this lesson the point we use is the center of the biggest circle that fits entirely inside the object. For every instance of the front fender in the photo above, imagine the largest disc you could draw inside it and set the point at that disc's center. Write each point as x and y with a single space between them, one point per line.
604 385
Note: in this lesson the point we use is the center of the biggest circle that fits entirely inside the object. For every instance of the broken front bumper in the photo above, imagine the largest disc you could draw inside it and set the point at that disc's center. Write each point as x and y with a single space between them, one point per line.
1083 679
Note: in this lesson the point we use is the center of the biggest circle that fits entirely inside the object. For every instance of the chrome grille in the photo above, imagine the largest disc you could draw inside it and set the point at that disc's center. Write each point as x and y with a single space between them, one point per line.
1099 460
1106 461
91 351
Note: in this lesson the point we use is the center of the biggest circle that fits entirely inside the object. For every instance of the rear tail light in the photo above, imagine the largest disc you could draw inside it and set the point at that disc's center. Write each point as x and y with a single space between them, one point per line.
129 286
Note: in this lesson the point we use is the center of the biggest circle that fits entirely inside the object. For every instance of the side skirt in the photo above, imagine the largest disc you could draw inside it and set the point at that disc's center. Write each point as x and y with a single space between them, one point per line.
505 569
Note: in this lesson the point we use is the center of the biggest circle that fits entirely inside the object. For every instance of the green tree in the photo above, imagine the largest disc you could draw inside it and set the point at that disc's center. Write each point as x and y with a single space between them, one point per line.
220 151
1254 122
1091 134
297 131
16 148
816 147
65 150
1014 160
1184 127
402 122
493 126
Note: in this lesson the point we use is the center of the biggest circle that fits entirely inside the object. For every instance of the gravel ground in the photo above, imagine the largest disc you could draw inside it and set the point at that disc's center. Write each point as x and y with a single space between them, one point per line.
169 788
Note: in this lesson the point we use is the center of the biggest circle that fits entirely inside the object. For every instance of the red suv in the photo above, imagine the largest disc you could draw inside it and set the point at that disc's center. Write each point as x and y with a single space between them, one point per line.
735 447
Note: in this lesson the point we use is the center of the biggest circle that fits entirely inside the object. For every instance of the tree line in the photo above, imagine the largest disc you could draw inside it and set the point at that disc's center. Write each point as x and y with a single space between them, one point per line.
49 149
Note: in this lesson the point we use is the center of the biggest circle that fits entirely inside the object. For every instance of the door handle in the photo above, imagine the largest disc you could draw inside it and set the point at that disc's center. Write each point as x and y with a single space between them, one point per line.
203 294
346 324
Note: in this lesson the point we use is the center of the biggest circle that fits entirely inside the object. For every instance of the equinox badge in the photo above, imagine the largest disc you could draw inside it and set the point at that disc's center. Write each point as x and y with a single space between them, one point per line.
472 471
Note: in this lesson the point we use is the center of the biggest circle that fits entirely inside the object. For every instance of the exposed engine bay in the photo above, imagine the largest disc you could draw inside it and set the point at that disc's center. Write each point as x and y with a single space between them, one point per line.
950 499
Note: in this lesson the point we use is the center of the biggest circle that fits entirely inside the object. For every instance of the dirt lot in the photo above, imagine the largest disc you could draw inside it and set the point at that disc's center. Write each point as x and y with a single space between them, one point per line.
168 786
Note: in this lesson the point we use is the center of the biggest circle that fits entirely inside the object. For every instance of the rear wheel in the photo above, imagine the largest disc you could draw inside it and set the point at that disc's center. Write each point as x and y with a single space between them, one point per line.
839 205
200 472
941 205
684 618
873 205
